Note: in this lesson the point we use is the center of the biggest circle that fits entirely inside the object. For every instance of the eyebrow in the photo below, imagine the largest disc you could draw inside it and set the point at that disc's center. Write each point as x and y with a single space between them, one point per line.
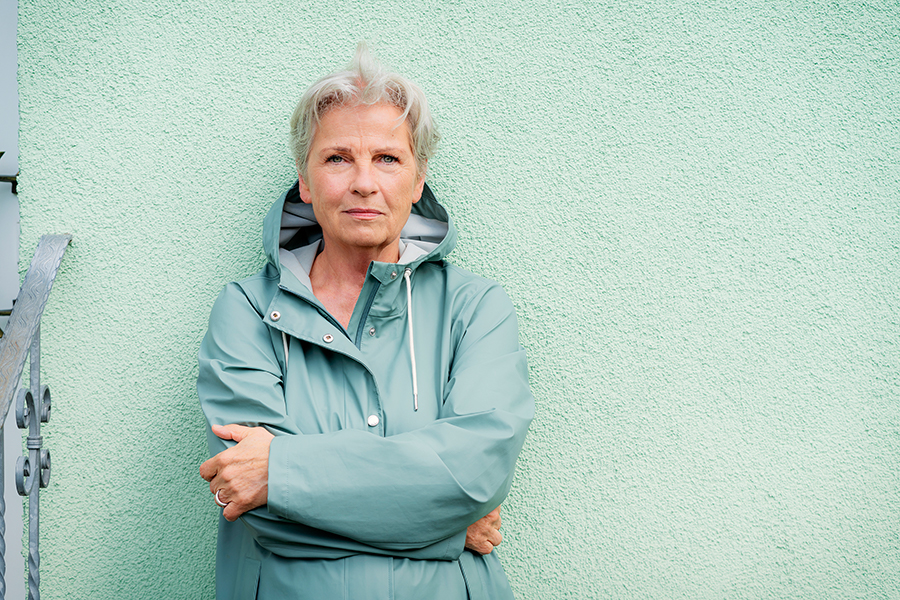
331 149
391 149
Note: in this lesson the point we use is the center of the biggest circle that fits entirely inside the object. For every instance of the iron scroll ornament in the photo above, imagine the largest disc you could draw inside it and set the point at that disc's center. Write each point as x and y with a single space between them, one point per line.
25 473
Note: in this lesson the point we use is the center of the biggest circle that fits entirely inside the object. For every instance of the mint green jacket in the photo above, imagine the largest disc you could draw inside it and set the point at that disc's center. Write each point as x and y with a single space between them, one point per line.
388 445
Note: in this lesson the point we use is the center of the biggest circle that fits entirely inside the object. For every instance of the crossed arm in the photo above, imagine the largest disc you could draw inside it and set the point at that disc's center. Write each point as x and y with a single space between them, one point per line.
421 485
241 475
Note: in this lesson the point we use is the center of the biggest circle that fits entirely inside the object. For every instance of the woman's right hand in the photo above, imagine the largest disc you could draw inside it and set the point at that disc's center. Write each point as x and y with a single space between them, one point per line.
484 535
239 476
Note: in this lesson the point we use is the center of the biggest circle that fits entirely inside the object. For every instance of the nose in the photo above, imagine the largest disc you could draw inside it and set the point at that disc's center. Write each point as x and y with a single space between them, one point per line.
364 181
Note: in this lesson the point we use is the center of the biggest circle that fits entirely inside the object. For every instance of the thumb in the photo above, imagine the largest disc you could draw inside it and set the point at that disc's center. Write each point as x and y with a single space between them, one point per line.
231 432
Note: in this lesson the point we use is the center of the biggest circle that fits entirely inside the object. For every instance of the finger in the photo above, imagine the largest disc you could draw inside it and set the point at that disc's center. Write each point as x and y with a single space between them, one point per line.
496 538
231 512
221 484
226 496
493 519
208 469
221 431
222 495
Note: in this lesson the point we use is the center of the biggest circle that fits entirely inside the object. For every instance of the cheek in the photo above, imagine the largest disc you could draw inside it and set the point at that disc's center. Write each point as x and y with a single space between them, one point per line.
325 188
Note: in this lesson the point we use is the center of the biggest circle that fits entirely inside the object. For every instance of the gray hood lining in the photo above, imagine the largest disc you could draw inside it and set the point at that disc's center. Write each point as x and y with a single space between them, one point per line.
423 233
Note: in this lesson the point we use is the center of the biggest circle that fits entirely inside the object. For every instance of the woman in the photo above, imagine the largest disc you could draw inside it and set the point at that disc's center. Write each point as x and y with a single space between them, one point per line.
367 399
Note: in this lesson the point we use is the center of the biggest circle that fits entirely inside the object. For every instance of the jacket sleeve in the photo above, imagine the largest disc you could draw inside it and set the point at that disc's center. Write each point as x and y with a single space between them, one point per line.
416 491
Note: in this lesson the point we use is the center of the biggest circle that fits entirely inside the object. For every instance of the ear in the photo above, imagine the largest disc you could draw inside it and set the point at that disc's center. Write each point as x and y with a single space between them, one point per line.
420 186
305 194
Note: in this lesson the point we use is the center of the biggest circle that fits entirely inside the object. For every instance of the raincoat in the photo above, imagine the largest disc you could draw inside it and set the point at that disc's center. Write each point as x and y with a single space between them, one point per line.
391 436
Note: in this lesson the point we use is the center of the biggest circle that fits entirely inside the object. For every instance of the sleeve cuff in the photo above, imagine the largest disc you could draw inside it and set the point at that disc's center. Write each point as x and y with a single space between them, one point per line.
283 499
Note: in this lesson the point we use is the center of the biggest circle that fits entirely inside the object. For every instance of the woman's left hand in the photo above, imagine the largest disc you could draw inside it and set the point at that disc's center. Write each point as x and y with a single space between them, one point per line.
240 474
484 534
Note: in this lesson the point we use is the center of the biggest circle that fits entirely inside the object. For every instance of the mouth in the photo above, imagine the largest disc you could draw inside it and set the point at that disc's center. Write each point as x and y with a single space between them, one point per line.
363 213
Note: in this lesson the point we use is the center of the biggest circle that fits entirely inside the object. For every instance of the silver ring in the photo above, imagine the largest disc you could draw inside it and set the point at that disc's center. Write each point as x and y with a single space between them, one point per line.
219 502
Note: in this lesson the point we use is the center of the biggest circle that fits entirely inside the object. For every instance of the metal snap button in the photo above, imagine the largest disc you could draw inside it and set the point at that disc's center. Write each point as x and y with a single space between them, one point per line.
371 331
328 338
373 420
275 315
393 274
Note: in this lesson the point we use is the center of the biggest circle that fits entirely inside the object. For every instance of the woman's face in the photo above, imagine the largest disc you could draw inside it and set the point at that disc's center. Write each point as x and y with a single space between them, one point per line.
362 179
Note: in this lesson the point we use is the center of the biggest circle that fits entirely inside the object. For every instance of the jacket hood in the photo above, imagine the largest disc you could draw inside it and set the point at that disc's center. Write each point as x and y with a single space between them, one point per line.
291 224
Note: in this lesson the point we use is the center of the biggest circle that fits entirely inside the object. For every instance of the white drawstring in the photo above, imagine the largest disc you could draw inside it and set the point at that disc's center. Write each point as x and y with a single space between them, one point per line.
284 340
412 348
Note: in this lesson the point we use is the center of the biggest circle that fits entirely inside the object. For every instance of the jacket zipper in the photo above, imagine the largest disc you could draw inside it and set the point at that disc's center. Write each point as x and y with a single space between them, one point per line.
365 315
362 320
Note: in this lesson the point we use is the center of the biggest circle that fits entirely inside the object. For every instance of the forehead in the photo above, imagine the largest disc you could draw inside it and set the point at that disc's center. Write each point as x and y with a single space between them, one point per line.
363 125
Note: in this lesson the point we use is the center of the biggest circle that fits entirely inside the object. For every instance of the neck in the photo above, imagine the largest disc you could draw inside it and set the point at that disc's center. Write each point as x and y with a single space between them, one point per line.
343 270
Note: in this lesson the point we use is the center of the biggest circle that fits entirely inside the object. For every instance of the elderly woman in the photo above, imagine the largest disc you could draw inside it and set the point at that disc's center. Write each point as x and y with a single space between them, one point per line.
367 400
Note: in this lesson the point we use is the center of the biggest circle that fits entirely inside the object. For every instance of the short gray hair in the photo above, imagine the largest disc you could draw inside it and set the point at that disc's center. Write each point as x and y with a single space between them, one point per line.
365 81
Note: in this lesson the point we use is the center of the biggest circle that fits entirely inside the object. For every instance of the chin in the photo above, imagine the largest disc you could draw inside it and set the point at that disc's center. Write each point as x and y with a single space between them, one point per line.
368 243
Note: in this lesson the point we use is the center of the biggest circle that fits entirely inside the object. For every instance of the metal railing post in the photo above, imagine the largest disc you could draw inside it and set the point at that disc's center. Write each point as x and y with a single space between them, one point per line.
2 515
22 340
33 471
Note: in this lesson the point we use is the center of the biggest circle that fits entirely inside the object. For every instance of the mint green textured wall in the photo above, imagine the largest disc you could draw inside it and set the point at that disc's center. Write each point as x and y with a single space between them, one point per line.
695 209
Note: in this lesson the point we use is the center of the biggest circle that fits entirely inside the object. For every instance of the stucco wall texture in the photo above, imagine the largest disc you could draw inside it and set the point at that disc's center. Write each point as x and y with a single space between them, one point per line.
693 205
